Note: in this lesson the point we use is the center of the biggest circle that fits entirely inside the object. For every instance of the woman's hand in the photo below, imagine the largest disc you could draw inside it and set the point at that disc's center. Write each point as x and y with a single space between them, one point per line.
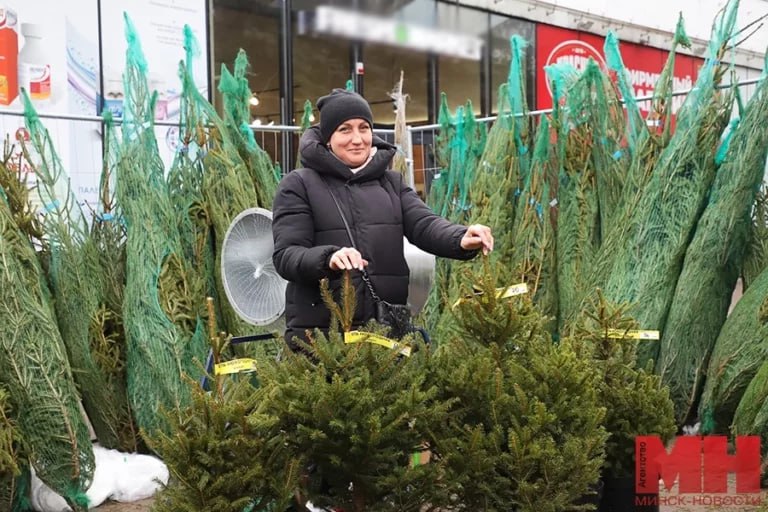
347 258
477 237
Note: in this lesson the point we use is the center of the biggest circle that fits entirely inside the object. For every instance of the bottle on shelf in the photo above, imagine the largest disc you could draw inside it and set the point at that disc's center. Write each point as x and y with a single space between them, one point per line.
34 64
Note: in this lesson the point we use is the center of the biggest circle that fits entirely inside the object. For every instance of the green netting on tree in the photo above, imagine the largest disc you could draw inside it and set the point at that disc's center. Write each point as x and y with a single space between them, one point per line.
164 333
442 153
516 93
228 189
185 183
756 256
751 416
491 196
532 239
478 135
608 155
615 63
740 350
466 146
516 76
651 143
593 167
712 264
17 495
306 117
74 274
562 76
236 95
13 183
464 151
648 147
107 329
519 209
458 149
35 371
647 264
488 179
458 153
437 200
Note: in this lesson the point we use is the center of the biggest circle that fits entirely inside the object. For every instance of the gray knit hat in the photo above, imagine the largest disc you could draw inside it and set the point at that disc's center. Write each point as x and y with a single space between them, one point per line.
339 106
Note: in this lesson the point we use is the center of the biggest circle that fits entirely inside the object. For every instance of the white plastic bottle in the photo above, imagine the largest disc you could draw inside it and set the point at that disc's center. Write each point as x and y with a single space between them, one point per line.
34 64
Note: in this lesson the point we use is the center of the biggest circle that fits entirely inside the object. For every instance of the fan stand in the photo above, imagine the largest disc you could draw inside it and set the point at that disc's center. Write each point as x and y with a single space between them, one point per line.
237 340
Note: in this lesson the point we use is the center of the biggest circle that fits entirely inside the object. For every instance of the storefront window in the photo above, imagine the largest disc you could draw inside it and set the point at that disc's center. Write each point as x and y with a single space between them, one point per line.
502 29
254 27
459 78
460 81
320 64
382 73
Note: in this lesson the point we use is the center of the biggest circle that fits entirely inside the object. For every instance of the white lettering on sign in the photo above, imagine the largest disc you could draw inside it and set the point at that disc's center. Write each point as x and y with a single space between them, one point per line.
644 82
578 53
354 25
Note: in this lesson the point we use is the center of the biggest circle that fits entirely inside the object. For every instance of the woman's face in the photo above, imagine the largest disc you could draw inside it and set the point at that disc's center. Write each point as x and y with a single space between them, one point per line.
351 142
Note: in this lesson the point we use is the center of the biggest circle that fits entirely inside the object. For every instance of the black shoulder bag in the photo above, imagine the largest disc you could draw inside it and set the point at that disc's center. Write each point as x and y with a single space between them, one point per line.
397 317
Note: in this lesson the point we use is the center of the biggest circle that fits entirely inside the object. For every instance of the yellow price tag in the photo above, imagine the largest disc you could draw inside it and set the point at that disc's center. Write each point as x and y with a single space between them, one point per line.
633 335
235 366
501 293
517 289
369 337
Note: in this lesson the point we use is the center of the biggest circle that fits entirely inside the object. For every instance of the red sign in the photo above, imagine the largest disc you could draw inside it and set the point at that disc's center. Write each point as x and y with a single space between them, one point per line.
700 464
643 63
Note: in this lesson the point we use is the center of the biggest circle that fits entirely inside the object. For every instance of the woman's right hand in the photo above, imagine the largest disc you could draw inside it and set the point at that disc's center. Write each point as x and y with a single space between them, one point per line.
347 258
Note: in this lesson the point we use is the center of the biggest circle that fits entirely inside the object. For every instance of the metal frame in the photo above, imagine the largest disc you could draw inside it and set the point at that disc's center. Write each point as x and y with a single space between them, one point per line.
413 132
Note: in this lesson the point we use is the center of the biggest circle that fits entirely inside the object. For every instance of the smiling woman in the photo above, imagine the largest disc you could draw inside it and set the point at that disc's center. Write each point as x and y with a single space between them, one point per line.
345 122
346 125
346 211
351 143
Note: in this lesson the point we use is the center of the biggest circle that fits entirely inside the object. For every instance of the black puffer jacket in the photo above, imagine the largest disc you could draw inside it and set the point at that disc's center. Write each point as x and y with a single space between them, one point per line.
380 209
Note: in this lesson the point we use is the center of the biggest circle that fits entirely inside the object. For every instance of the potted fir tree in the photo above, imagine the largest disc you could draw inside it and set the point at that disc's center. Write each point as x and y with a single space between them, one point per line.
353 415
636 403
221 452
525 433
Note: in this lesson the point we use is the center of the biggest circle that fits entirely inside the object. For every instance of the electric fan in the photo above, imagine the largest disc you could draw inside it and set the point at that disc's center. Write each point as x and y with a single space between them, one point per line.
253 286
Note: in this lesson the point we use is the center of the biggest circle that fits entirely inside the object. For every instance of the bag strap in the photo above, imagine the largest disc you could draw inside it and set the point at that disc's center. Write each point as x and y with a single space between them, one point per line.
366 277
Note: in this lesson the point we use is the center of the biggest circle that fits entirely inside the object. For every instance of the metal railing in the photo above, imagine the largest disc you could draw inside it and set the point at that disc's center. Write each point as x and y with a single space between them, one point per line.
423 137
78 140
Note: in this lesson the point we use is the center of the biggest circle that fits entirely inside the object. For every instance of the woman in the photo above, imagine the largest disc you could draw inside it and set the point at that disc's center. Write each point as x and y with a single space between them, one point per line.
345 166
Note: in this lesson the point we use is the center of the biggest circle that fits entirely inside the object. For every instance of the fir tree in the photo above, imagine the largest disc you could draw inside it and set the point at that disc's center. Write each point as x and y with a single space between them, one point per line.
635 400
218 448
355 414
215 455
525 433
11 464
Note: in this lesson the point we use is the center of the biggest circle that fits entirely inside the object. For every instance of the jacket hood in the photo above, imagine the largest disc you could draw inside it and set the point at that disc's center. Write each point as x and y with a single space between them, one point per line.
316 155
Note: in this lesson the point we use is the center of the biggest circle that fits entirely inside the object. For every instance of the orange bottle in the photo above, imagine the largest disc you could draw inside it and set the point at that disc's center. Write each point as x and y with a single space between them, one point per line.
9 52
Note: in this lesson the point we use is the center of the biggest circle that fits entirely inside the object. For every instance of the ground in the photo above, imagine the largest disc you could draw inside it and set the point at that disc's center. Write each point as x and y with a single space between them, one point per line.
138 506
144 506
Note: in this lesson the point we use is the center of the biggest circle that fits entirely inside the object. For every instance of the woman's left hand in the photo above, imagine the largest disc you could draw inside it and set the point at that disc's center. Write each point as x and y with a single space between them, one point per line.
477 237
